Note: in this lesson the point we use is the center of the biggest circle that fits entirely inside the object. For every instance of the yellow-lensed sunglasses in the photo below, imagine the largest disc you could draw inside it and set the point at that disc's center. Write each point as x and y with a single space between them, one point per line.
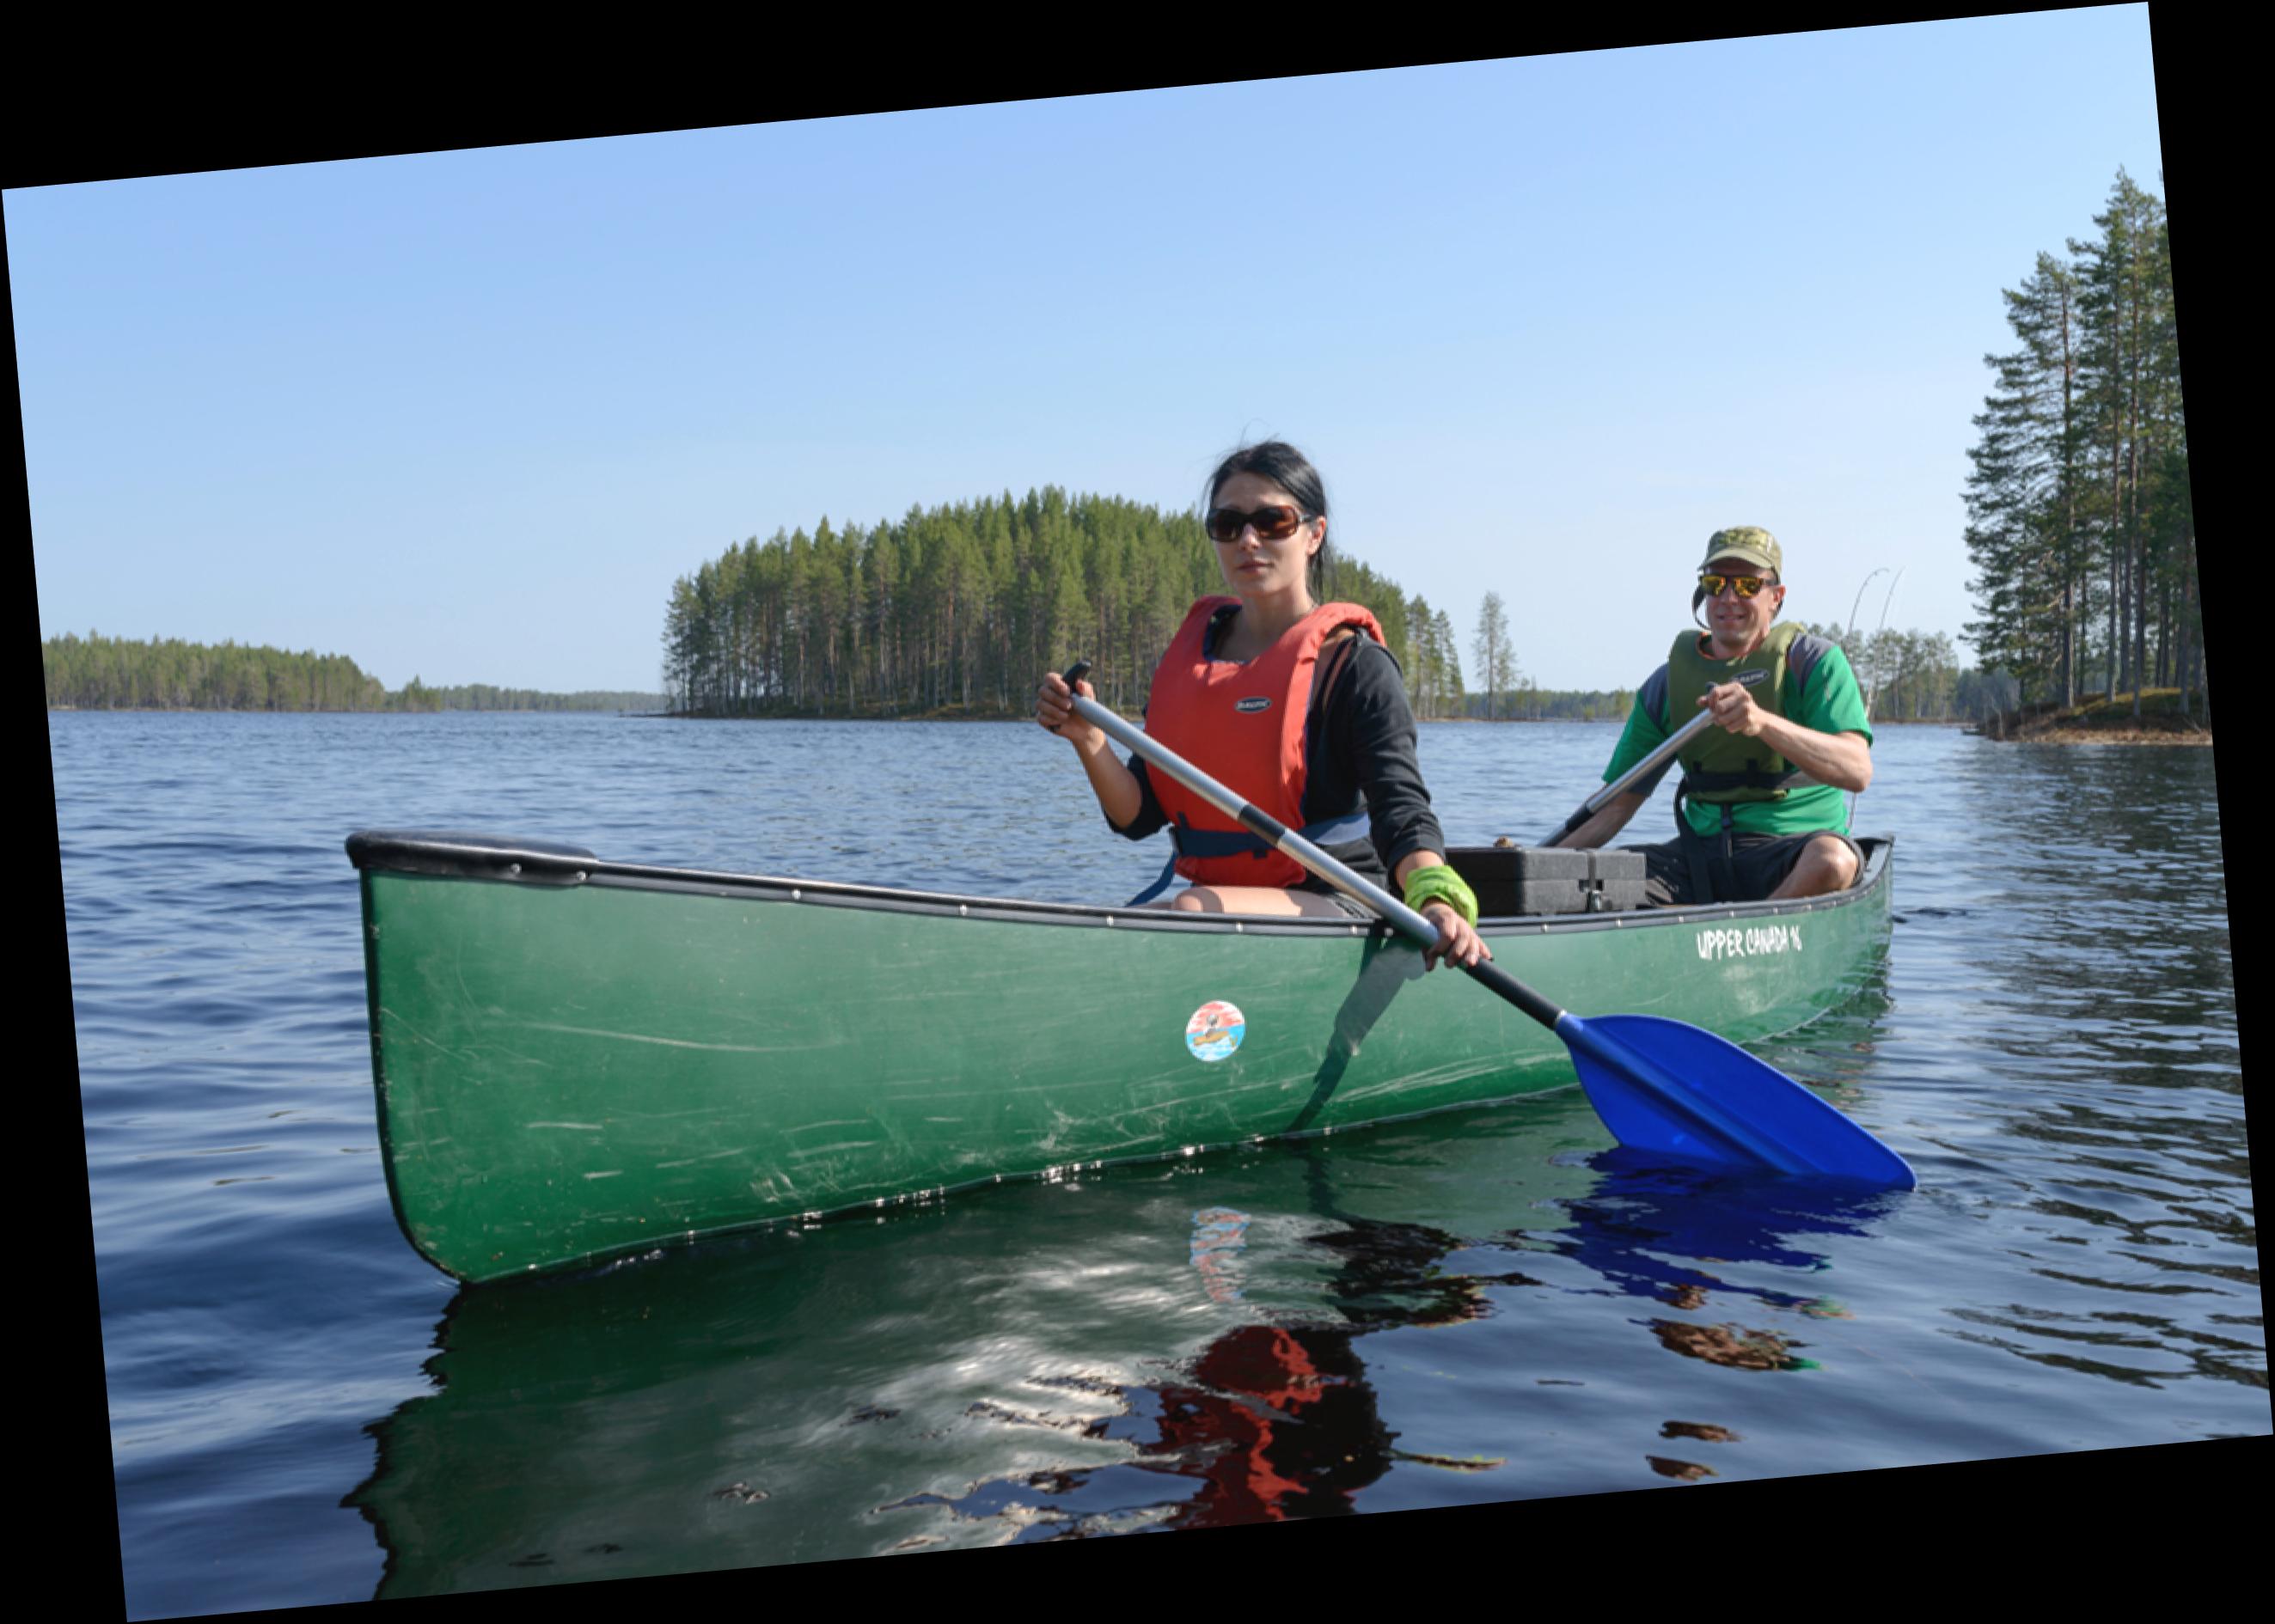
1744 585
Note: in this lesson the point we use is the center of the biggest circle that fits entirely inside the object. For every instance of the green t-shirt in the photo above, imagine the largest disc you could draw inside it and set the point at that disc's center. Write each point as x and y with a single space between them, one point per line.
1828 701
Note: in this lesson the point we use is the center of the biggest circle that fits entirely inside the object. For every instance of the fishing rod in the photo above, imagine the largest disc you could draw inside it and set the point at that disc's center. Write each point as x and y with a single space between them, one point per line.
1873 692
1883 626
1858 603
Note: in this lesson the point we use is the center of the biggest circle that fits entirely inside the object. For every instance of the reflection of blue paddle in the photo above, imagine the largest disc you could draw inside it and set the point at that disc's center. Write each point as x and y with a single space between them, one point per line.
1658 1084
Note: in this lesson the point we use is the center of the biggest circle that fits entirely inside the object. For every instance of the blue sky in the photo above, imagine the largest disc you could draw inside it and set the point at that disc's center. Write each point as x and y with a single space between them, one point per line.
1544 323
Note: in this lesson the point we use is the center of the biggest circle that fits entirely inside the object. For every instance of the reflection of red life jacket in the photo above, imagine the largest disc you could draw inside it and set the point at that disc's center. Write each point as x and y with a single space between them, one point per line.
1231 1444
1244 726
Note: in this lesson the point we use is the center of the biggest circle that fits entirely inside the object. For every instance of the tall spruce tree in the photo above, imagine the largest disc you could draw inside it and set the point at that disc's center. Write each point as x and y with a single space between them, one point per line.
2117 272
2023 535
1449 653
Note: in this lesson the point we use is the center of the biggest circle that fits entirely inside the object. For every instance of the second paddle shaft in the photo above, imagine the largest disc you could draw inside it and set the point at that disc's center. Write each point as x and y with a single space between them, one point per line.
1641 770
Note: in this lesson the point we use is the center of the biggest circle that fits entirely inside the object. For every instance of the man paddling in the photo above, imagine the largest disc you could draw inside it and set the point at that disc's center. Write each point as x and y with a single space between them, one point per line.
1759 811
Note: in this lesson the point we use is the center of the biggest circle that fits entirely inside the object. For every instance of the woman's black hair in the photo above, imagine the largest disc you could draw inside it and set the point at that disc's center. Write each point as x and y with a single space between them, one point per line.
1291 471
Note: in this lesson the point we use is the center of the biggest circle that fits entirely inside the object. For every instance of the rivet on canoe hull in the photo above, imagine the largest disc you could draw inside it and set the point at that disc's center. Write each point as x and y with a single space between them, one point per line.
513 868
794 894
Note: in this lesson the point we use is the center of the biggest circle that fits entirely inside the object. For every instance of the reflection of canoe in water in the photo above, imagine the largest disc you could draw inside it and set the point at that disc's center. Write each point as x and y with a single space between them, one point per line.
577 1058
804 1395
1218 1342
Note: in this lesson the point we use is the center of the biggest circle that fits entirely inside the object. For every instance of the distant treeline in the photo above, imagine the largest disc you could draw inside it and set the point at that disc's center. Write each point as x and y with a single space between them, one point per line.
99 673
1908 675
2081 524
961 609
1916 676
482 697
95 672
1525 703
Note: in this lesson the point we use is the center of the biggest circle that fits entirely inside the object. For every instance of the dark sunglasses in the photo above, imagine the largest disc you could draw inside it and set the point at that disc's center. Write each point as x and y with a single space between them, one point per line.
1744 585
1275 523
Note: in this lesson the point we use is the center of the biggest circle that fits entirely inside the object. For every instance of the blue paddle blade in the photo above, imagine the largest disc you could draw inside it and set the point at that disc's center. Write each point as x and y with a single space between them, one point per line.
1675 1089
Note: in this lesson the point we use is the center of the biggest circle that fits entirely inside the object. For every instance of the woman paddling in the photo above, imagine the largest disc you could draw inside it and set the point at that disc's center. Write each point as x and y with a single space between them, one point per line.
1296 705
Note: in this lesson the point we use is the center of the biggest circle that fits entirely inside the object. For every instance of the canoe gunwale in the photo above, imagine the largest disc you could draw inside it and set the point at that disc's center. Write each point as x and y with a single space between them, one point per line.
553 864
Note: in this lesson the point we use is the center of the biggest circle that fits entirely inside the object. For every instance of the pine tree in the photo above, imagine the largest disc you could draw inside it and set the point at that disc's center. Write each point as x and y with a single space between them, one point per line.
2117 273
2023 532
1495 663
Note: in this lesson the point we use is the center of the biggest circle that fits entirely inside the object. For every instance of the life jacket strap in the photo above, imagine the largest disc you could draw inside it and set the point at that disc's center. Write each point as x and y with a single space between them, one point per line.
1704 786
1160 882
1698 850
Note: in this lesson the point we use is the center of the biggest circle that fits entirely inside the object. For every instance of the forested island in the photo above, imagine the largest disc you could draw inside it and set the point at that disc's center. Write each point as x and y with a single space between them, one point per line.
958 609
100 673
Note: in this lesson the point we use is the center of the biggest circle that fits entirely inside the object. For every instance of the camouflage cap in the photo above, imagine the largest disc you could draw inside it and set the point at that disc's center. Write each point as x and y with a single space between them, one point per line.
1749 542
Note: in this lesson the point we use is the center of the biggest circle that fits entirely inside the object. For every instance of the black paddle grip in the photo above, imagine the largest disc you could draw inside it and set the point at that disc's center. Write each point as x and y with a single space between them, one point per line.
1075 673
1509 987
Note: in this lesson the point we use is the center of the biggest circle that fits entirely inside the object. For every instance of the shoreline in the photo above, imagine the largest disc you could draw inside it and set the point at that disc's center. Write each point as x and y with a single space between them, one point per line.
1497 722
248 710
941 715
2104 719
2200 739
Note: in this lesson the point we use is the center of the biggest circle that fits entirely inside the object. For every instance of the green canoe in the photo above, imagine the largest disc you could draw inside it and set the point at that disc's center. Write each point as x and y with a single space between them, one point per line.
577 1059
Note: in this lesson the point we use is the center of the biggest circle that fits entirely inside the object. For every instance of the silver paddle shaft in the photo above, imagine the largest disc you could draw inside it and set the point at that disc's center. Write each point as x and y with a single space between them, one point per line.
1261 824
1641 770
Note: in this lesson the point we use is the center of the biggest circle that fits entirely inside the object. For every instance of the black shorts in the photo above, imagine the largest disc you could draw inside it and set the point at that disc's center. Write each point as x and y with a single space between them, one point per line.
1758 864
1351 905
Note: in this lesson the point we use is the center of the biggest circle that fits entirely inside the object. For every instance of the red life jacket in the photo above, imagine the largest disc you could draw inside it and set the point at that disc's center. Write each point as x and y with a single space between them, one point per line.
1244 726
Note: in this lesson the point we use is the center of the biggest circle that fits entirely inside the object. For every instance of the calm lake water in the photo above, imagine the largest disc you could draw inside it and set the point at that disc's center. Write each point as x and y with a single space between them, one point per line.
1486 1306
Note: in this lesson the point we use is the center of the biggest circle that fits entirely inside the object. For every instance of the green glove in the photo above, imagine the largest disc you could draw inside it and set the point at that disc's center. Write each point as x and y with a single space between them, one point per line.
1440 884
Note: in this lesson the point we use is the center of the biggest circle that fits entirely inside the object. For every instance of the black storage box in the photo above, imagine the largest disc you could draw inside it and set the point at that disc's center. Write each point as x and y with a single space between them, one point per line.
1525 881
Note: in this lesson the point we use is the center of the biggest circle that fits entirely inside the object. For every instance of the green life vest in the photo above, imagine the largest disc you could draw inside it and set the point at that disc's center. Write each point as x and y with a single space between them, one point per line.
1719 766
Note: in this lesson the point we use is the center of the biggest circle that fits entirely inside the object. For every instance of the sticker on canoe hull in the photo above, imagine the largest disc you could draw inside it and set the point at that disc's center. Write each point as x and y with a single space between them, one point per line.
1215 1030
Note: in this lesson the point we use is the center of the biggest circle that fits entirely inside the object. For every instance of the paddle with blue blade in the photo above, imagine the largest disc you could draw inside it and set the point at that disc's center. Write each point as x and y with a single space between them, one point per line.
1661 1087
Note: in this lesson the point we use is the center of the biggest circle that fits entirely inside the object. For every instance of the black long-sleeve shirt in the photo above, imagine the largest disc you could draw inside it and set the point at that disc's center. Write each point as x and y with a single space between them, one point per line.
1359 746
